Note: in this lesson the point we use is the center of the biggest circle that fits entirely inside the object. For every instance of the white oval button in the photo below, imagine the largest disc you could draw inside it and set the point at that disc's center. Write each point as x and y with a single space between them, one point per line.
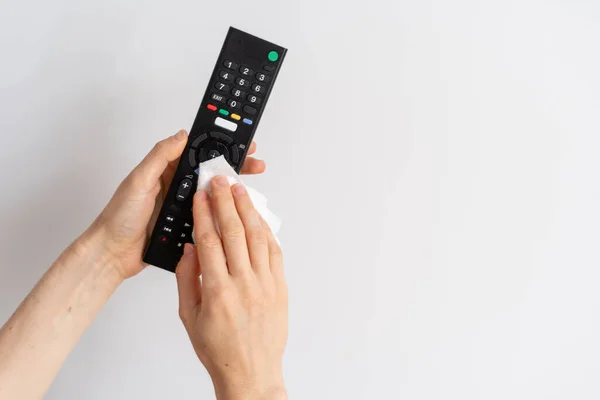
223 123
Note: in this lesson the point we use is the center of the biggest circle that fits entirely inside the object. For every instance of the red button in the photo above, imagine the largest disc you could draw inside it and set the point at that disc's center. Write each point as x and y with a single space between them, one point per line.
211 107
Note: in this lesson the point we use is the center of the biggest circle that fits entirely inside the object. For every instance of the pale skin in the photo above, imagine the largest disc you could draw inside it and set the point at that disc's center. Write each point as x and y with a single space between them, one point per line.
235 315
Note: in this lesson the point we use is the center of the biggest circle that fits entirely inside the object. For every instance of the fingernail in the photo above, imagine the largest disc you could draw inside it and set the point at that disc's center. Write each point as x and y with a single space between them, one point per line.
202 195
180 135
221 181
239 190
188 249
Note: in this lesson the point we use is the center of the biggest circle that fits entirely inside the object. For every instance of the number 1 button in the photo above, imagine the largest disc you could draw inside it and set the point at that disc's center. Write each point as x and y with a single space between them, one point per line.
230 64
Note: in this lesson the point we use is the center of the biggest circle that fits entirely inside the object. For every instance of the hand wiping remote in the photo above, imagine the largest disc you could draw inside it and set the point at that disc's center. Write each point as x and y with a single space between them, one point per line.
219 166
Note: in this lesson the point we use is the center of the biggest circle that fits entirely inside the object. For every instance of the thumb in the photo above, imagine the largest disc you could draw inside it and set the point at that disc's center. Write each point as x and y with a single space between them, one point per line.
188 281
163 152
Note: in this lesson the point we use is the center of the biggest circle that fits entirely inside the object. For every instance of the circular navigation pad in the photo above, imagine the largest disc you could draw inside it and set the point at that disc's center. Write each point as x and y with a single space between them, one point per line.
212 145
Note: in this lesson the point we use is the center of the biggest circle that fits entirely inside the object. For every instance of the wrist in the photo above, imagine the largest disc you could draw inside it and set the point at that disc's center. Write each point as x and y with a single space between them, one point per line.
91 247
244 390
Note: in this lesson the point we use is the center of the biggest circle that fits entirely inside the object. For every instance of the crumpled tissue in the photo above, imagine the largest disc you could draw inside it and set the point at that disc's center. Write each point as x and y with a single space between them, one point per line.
207 170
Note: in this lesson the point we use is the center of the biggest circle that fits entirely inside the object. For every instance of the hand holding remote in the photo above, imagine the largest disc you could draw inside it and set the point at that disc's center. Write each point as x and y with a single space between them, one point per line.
236 316
126 223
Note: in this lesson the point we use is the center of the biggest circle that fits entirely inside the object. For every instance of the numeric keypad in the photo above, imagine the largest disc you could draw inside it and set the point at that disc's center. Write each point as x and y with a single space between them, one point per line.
240 88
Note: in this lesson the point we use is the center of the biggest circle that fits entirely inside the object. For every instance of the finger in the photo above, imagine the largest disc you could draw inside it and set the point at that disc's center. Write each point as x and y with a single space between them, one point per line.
252 166
232 230
252 148
210 249
275 253
256 235
157 161
188 282
169 172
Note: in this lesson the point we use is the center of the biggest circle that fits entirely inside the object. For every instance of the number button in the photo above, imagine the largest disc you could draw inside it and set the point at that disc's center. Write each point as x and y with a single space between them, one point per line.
257 88
221 86
226 75
262 77
217 98
230 64
253 99
238 93
242 82
246 71
233 103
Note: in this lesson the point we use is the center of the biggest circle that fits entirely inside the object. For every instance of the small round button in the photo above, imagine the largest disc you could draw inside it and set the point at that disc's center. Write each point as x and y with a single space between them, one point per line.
163 239
213 149
273 56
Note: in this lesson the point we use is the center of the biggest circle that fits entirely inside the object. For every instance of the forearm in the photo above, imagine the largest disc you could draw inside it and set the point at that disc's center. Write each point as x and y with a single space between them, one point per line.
38 337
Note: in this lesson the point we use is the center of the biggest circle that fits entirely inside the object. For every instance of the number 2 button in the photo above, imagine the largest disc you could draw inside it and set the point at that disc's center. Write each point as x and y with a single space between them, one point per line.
246 71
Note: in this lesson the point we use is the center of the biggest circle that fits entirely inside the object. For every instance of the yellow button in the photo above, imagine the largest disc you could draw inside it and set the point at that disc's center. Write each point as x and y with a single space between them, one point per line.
236 117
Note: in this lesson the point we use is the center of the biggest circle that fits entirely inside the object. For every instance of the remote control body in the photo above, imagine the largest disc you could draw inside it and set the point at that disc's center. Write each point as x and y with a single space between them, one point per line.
231 108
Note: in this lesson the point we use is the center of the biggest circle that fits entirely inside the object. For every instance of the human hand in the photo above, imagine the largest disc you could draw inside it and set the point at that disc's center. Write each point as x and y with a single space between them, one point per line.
236 315
124 226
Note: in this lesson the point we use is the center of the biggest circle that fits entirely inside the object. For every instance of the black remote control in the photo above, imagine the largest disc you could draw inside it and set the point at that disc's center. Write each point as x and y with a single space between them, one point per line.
229 114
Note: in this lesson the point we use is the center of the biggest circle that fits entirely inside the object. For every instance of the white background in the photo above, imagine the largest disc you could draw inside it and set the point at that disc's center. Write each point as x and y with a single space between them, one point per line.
435 164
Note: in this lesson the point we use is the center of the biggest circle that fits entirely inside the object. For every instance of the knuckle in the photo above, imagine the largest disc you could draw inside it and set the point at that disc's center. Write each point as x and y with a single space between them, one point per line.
233 230
258 236
283 290
255 296
182 315
220 299
253 300
136 180
270 292
209 240
159 146
219 292
275 251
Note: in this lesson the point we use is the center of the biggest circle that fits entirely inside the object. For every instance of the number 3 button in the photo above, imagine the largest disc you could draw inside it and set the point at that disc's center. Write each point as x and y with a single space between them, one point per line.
262 77
253 99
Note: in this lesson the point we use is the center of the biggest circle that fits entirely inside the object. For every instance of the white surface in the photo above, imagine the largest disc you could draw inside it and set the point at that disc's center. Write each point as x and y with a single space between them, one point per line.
441 231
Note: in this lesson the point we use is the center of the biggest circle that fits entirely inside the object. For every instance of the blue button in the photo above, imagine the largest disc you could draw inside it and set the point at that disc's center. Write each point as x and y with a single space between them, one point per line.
197 171
247 121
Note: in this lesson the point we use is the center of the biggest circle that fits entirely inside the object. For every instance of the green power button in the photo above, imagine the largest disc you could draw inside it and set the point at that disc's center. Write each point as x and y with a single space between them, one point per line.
273 56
